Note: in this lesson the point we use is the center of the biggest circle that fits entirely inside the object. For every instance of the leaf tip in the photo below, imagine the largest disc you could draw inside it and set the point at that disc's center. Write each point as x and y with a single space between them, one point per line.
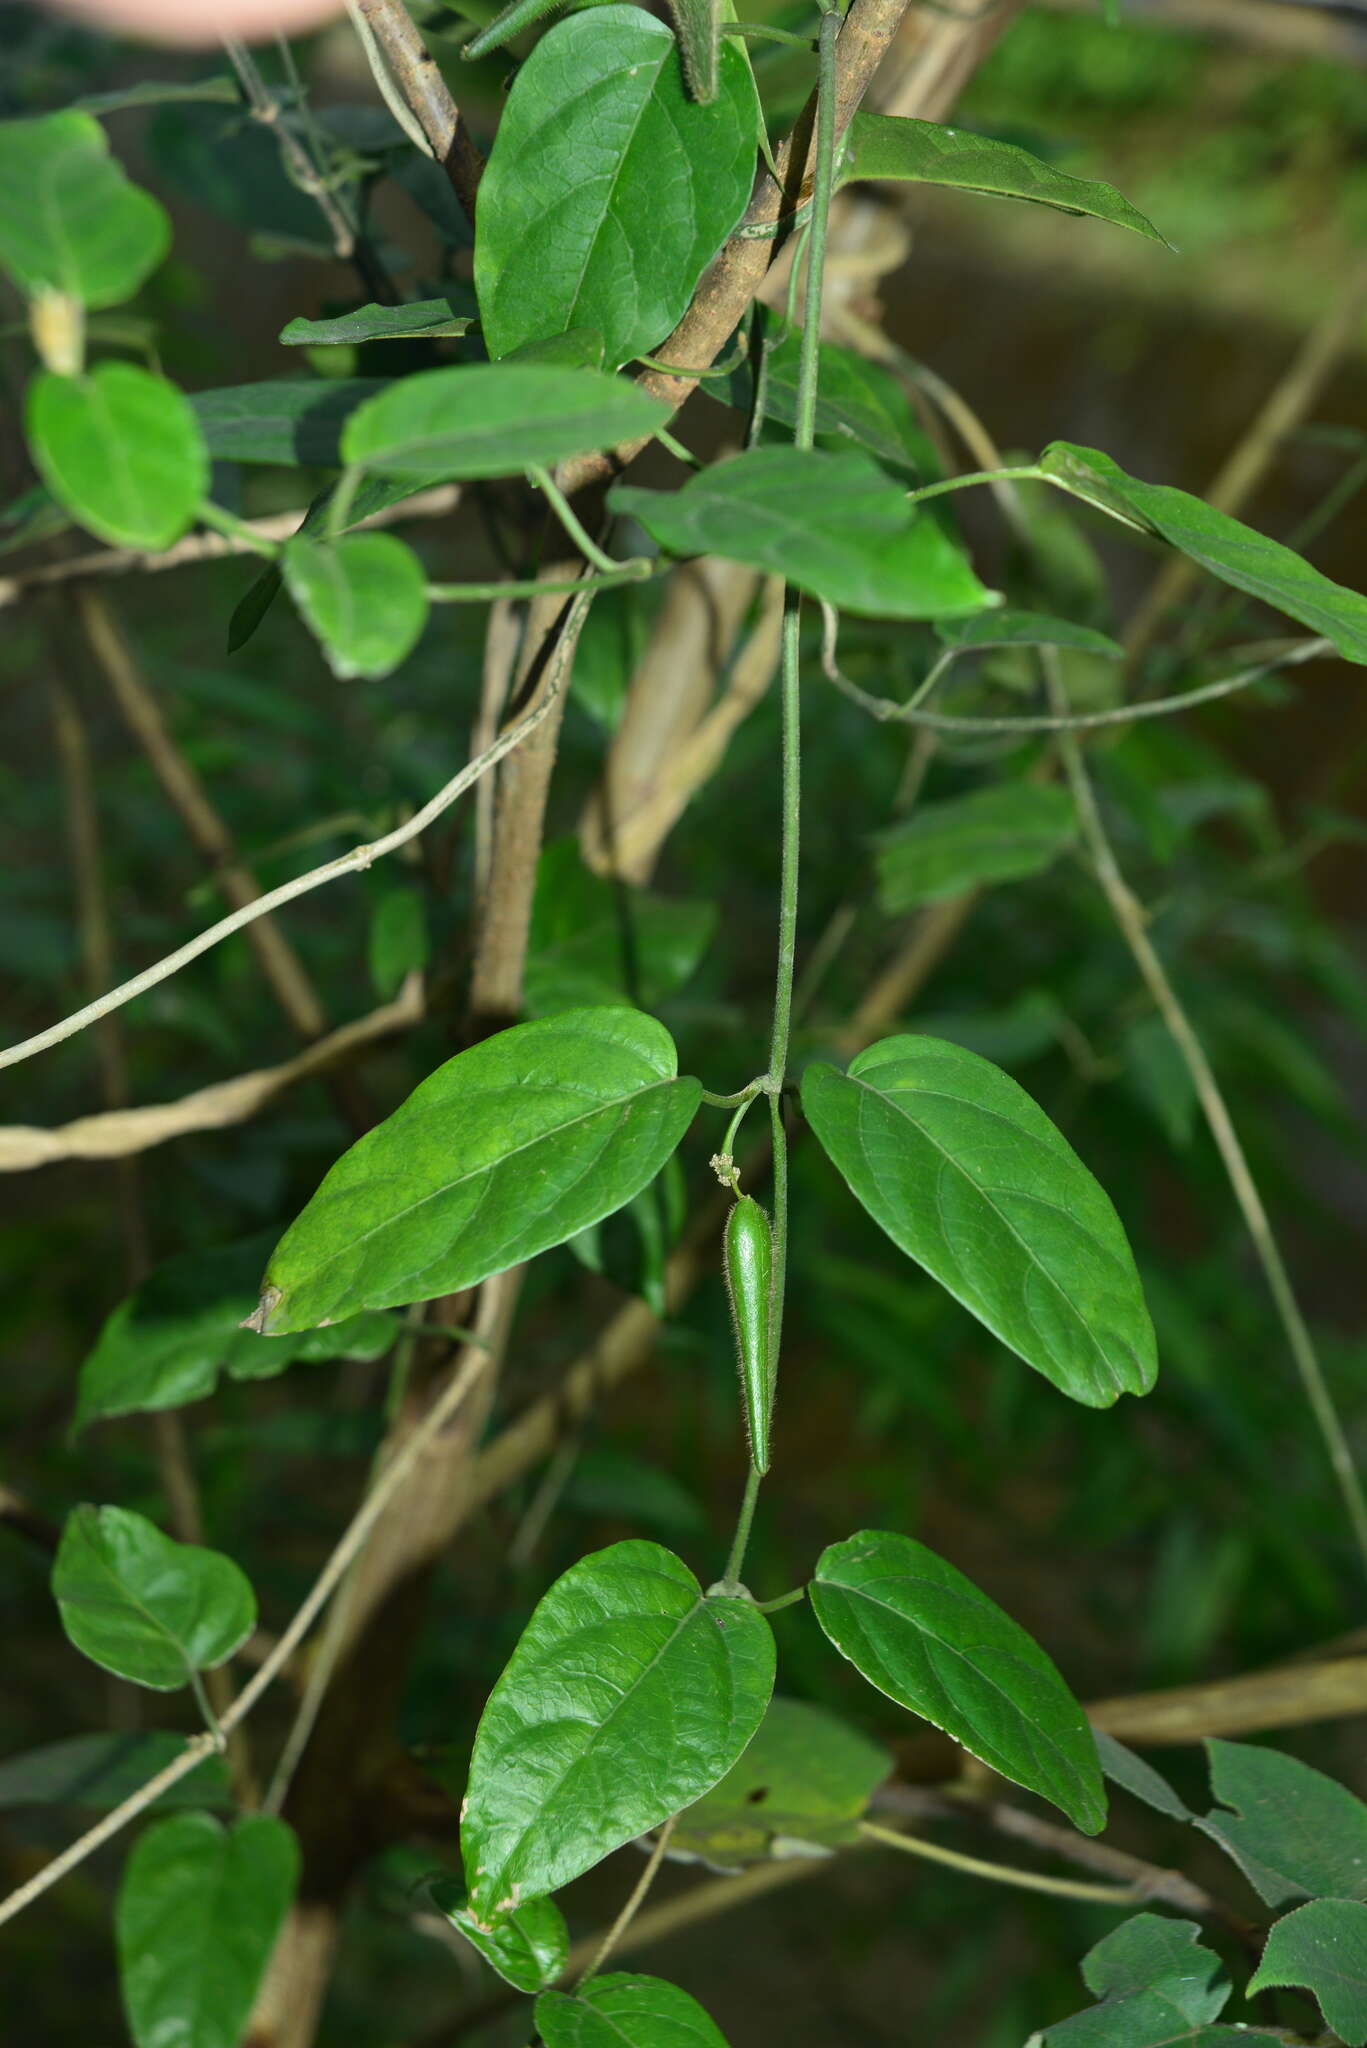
260 1318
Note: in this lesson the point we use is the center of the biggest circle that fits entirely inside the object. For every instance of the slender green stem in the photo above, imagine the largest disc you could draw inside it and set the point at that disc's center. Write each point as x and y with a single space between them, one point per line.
677 450
1031 473
574 527
639 570
341 502
740 1542
633 1904
804 430
728 1143
766 34
238 529
207 1714
1001 1873
784 1600
734 1100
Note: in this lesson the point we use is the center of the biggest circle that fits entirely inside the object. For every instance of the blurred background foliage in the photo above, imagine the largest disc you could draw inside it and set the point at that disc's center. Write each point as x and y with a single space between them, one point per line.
1190 1536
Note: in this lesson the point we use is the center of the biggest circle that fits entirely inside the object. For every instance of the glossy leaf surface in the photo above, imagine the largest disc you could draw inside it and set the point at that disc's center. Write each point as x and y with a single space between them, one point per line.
143 1605
197 1916
364 598
528 1948
101 1771
834 525
926 153
628 1696
1322 1948
122 451
494 419
621 2011
608 190
1004 833
971 1179
1295 1832
804 1782
924 1635
506 1150
69 219
1239 556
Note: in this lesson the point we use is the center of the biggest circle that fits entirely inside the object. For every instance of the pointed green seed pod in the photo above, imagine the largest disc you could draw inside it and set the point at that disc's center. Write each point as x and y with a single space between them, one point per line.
749 1268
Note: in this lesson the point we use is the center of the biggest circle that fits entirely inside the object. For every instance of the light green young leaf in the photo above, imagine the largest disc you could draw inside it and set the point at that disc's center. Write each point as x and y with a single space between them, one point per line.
834 525
296 422
1246 560
494 419
69 219
424 320
508 1149
122 451
924 1635
595 941
528 1948
1025 629
198 1914
625 2012
925 153
1001 834
608 190
856 399
144 1606
968 1175
364 598
1294 1832
1322 1948
101 1771
628 1696
168 1342
803 1783
1139 1779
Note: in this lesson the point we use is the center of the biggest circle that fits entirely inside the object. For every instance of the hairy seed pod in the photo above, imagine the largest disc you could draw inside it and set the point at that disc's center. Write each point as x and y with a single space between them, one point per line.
749 1267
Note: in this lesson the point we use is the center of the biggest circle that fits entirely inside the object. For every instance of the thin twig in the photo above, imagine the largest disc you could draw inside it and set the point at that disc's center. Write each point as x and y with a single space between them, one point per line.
414 72
1001 1873
354 862
634 1903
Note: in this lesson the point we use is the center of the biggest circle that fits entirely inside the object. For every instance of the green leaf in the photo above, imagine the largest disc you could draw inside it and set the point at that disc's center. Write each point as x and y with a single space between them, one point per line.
508 1149
1295 1832
398 937
69 219
1246 560
628 1696
578 347
857 400
608 190
804 1782
528 1948
625 2012
363 597
924 153
970 1178
424 320
374 494
198 1914
924 1635
122 451
144 1606
835 525
1139 1779
1025 629
596 941
1001 834
166 1344
292 421
101 1771
494 419
1322 1948
1160 1985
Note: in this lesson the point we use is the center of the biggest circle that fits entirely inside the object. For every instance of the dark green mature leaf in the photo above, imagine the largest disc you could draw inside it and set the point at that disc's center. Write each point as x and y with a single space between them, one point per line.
1138 1778
625 2012
69 219
528 1948
493 419
924 1634
608 190
424 320
1025 629
805 1781
925 153
1295 1832
628 1696
506 1150
197 1916
834 525
1000 834
294 421
859 400
1322 1948
101 1771
596 941
1160 1986
122 451
968 1175
364 597
144 1606
1247 560
167 1343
